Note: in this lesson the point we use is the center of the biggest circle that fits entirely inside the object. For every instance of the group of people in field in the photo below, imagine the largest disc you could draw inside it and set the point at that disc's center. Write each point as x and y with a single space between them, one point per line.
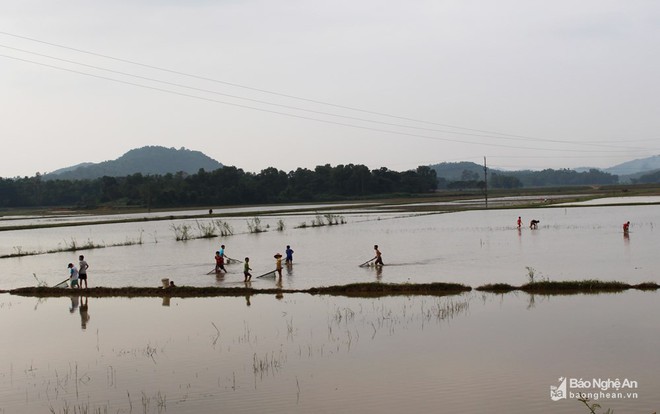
220 262
78 275
534 225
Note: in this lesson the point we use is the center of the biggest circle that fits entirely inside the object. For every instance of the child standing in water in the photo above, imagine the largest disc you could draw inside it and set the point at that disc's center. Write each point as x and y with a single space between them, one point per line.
219 263
246 269
278 264
289 255
379 257
73 275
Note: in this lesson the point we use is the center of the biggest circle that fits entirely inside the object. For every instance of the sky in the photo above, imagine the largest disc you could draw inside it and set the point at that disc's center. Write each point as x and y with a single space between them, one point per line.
528 84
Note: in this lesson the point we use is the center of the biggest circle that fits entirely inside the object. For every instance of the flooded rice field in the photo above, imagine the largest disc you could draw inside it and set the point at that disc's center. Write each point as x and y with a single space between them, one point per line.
473 352
470 247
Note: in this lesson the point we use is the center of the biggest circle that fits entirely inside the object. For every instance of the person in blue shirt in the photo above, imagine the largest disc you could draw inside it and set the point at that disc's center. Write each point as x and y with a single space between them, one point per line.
289 255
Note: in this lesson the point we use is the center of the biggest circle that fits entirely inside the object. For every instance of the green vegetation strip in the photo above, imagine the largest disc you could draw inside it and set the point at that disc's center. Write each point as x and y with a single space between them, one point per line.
568 287
356 289
351 290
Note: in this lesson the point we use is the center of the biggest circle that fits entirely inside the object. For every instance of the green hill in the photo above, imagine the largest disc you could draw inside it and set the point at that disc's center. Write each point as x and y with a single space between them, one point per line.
150 160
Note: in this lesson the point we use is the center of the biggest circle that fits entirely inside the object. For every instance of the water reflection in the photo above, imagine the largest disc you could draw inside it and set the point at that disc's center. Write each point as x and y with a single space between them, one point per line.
531 301
248 284
286 355
84 313
75 301
278 283
80 304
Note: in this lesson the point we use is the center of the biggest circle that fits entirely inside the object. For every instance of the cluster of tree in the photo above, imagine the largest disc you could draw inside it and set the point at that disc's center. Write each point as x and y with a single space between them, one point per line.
470 179
226 185
650 178
518 179
563 177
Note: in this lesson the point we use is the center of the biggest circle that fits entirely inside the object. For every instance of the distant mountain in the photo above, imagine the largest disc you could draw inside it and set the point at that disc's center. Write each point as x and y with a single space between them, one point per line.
67 169
150 160
452 171
641 165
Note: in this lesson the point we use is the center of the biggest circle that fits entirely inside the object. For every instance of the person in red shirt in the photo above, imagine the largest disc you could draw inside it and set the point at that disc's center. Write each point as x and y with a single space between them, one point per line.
219 263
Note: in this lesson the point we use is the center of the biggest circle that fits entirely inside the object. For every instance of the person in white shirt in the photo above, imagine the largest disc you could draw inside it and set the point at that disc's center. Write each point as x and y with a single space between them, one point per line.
82 271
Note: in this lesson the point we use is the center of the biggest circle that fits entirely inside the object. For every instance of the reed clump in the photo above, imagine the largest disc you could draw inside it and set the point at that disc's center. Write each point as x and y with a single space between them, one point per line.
254 225
327 219
73 246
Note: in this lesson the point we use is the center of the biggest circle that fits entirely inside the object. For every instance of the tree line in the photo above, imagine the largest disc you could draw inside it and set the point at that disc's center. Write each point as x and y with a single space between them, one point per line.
519 179
223 186
650 178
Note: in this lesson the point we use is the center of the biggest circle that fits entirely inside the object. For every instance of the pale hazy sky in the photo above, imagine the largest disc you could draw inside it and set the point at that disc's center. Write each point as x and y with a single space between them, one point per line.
528 84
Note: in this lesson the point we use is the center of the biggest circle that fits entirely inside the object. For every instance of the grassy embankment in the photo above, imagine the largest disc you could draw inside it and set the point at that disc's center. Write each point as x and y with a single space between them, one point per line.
352 290
568 287
355 289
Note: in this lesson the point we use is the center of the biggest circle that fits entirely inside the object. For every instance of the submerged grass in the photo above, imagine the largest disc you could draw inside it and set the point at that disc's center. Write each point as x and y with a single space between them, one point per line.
73 246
